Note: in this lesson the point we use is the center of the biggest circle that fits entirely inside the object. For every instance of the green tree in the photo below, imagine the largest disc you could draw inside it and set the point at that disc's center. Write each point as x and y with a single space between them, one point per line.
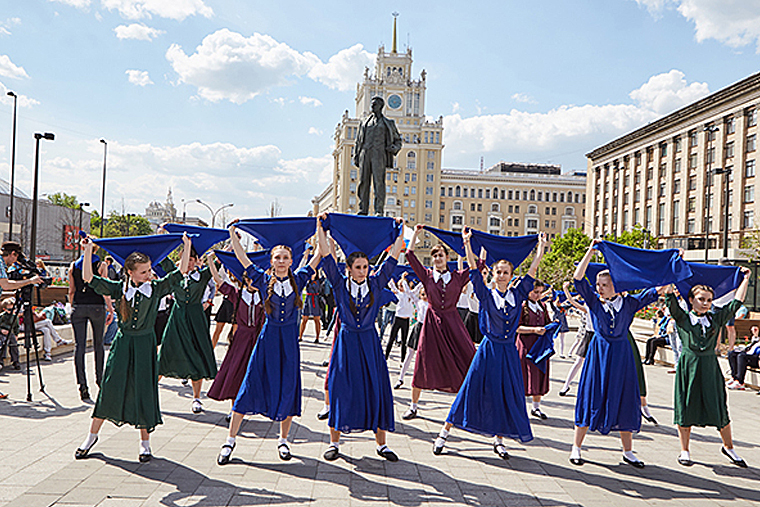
637 237
65 200
123 225
750 245
558 264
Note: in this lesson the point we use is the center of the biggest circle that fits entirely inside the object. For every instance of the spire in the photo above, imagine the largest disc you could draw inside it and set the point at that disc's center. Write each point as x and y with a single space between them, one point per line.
393 47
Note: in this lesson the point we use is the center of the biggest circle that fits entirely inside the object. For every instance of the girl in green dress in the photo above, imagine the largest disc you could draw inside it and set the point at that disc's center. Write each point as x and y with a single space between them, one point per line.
186 349
129 390
700 394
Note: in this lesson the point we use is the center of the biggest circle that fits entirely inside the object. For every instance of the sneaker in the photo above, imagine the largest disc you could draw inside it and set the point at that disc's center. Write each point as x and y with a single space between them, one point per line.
47 358
409 414
63 342
736 386
197 407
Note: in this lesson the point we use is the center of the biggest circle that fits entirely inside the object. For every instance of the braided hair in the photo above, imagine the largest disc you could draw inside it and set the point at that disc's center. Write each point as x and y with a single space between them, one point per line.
350 264
135 258
273 279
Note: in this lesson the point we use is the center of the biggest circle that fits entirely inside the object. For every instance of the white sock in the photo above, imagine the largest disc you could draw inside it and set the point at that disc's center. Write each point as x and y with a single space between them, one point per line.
281 441
381 448
733 454
645 410
630 455
536 405
91 437
498 441
144 446
413 406
335 444
226 451
575 453
685 455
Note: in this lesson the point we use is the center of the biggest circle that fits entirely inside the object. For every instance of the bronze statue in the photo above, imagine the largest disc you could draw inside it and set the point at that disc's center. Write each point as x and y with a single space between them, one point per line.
377 142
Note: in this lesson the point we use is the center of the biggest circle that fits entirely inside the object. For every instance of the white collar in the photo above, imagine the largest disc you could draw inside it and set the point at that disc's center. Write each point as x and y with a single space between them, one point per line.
146 289
357 290
283 287
703 320
499 300
249 297
613 305
534 306
437 275
195 275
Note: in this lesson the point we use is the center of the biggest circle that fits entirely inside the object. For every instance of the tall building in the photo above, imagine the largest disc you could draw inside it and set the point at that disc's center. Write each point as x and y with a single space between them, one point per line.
507 199
683 177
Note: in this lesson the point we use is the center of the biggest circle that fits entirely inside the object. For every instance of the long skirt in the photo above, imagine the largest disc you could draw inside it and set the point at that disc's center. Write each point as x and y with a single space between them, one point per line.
491 400
129 390
235 364
186 350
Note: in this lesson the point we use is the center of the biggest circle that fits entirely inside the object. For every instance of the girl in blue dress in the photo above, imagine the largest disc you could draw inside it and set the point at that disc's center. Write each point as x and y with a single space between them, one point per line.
608 390
359 385
491 400
272 383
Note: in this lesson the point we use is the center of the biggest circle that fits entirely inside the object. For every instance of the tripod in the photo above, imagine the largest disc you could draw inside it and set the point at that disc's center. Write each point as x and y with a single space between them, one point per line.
24 302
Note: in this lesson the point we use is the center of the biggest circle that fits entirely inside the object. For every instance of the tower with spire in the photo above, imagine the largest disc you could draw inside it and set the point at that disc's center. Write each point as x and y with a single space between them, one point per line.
412 186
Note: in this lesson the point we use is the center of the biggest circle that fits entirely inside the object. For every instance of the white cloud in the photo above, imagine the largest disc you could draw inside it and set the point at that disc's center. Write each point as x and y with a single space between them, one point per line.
5 26
310 101
568 126
524 98
735 23
172 9
137 31
139 77
667 92
79 4
9 69
344 69
22 100
315 131
229 66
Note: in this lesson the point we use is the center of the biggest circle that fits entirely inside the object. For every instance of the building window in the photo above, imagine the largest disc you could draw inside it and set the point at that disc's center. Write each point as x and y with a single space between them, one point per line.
546 224
554 211
677 187
413 204
649 192
749 219
441 219
661 219
692 204
532 195
480 193
554 197
751 117
353 174
677 165
406 203
495 207
648 224
456 220
480 207
431 166
411 161
509 222
751 143
391 201
532 209
569 210
517 208
690 226
502 194
352 201
488 193
692 182
431 153
458 191
430 178
547 210
532 223
730 125
429 190
677 144
352 188
662 190
443 191
494 222
429 205
676 215
749 193
509 195
472 206
693 161
428 217
710 158
749 168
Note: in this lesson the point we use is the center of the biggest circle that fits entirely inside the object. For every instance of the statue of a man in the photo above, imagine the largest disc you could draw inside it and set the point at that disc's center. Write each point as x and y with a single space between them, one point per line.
377 142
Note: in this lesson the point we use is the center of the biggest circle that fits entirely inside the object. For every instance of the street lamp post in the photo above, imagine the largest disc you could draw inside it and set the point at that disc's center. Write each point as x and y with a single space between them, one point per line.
207 207
103 190
79 243
13 167
214 213
33 242
710 130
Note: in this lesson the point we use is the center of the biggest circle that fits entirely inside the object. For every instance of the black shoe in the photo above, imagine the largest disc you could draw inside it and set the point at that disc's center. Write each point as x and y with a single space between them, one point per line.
409 414
637 464
84 394
386 453
685 462
738 462
284 451
577 461
325 364
501 451
144 458
228 418
650 419
323 414
536 412
224 459
438 450
398 384
564 392
332 453
185 382
16 365
82 453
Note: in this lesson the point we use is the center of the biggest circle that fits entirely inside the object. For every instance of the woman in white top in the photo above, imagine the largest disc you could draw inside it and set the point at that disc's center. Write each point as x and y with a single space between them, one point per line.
421 304
404 313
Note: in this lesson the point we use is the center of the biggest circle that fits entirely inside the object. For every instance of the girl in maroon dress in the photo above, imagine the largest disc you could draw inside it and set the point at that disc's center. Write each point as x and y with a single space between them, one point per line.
533 318
445 349
249 316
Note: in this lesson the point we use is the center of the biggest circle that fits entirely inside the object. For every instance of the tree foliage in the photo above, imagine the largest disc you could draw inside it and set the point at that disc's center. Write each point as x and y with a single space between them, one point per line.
118 224
558 264
637 237
751 245
65 200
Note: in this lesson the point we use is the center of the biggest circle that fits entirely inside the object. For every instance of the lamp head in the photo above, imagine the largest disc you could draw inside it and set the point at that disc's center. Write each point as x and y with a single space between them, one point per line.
11 94
103 141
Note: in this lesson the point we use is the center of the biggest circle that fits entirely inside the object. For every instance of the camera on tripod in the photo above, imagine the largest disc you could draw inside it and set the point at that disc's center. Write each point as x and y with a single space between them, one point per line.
27 269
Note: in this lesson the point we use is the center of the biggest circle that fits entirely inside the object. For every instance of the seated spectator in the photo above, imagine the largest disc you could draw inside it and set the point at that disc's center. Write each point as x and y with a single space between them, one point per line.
9 331
49 334
742 357
658 340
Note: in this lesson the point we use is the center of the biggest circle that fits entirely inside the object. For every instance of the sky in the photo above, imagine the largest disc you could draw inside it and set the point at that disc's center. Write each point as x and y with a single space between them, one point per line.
236 101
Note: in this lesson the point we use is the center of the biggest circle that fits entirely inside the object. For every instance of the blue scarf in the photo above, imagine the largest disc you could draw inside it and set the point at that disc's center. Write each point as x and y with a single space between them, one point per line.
513 249
156 247
357 233
543 348
636 268
261 259
289 231
203 237
721 279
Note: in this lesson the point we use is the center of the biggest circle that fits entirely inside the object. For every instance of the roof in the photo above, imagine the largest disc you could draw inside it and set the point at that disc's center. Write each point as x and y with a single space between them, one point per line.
5 189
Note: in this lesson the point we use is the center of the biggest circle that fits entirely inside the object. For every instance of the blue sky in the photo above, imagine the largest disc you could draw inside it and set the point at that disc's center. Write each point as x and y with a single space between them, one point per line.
237 101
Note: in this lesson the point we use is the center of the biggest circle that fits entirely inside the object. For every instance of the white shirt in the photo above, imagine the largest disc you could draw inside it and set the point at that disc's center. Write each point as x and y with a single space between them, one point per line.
357 289
405 305
283 288
146 289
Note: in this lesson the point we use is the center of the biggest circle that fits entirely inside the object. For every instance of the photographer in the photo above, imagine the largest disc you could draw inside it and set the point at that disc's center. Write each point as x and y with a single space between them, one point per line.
11 253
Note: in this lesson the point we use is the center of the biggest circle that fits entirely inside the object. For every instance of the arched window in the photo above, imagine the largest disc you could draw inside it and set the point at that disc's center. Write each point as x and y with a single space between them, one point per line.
569 197
532 195
532 208
411 162
458 191
569 210
495 193
457 206
495 207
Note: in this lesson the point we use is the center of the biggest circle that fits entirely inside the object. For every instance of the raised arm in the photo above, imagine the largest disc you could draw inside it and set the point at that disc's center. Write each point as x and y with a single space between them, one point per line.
210 260
324 248
87 273
413 242
741 292
184 262
580 270
466 237
540 250
399 244
571 299
238 248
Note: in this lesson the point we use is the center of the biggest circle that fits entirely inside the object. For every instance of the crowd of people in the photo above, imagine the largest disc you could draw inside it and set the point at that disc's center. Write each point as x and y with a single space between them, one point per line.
163 331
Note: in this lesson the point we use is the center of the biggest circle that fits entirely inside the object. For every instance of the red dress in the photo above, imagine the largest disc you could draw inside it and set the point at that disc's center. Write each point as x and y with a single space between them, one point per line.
445 349
536 382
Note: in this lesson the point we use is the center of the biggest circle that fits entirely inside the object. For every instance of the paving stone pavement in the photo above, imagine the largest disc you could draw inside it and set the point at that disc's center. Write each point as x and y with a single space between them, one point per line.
37 467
